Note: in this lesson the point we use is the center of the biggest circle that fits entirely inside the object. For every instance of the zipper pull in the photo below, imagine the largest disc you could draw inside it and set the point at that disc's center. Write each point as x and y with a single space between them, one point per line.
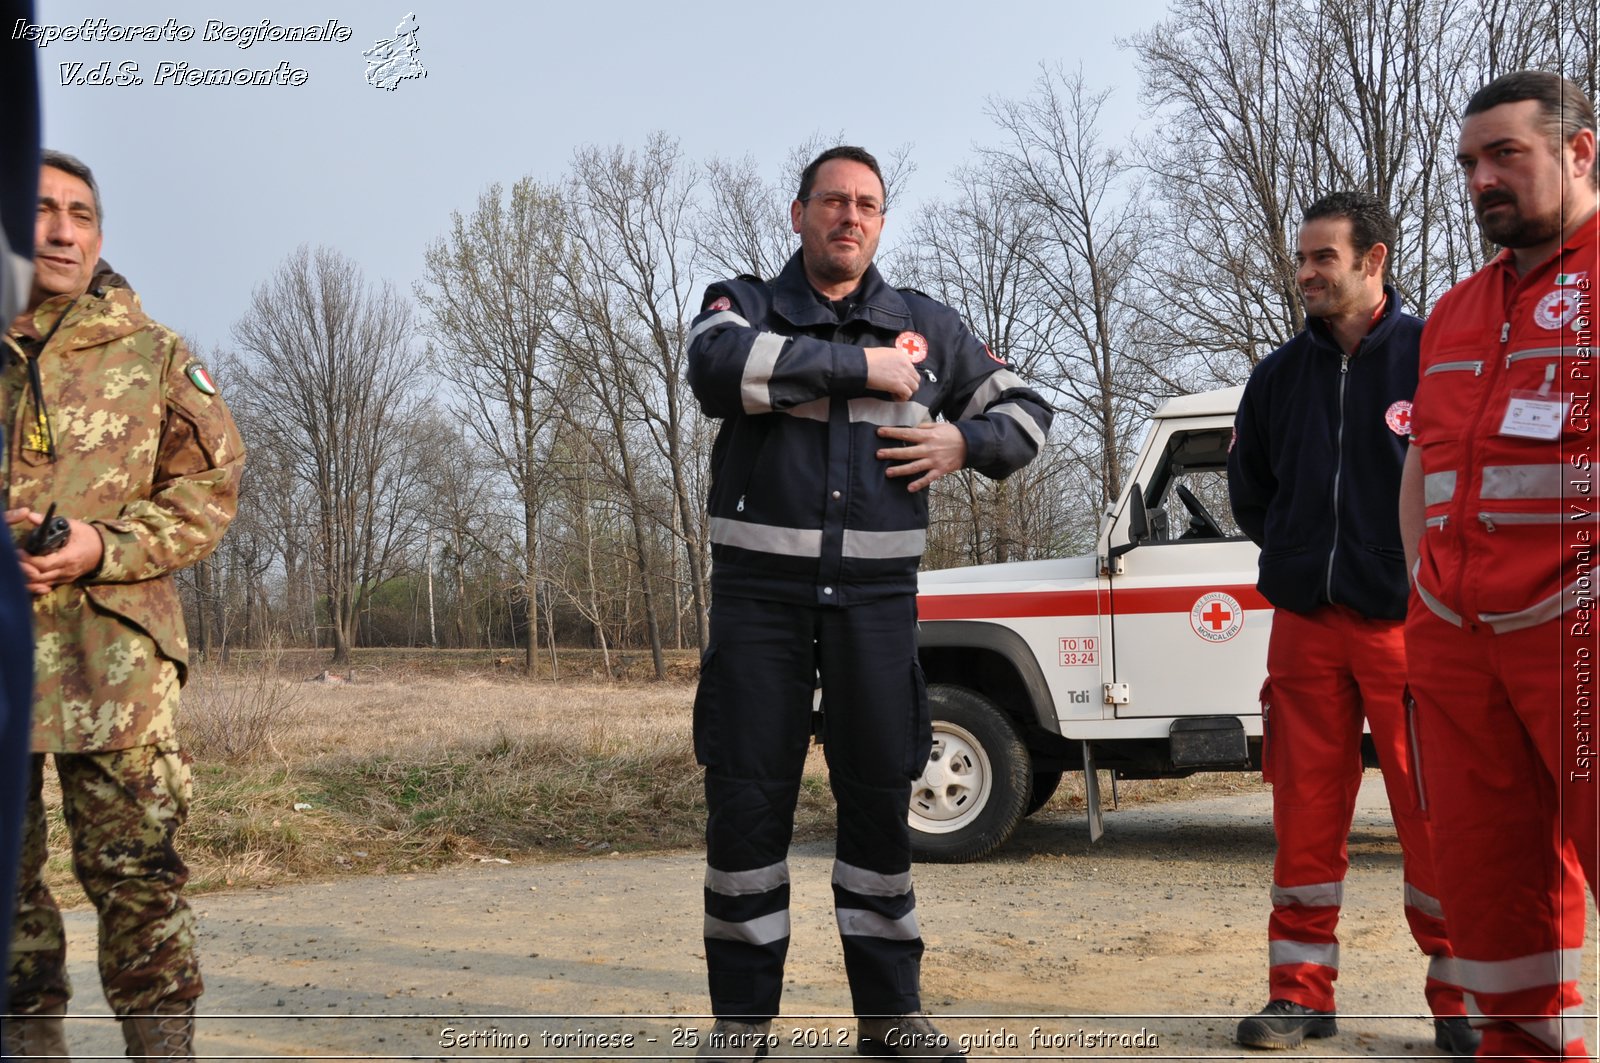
1344 364
1488 522
1505 332
740 507
1549 379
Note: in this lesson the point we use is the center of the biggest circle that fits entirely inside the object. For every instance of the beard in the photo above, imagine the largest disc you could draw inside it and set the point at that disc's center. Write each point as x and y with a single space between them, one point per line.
1511 228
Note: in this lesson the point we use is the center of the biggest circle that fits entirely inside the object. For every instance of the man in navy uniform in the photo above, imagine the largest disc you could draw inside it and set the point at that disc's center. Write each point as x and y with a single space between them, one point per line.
827 382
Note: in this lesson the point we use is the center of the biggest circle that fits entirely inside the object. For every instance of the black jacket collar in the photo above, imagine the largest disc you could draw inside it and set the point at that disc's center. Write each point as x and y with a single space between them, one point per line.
1376 336
796 301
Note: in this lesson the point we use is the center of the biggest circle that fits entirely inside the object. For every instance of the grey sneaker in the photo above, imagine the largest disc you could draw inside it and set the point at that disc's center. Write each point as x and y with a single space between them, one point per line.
1284 1024
904 1037
1456 1037
736 1042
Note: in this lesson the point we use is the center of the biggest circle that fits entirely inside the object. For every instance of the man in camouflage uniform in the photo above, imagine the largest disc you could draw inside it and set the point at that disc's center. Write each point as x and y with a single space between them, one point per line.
110 419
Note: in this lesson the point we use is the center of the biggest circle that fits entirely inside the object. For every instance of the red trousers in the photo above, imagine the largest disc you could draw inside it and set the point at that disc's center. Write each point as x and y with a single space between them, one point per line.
1505 745
1327 670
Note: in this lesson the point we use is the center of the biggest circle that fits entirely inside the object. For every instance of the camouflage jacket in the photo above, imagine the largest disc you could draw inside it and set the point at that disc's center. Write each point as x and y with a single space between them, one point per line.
145 451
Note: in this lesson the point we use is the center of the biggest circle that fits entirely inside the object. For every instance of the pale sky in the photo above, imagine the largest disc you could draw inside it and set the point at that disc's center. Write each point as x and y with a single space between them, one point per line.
208 188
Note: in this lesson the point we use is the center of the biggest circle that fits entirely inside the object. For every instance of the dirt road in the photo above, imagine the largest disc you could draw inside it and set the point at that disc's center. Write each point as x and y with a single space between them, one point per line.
1147 945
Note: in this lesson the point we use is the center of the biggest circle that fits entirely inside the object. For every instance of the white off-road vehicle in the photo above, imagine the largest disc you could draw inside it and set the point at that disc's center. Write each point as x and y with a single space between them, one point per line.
1145 659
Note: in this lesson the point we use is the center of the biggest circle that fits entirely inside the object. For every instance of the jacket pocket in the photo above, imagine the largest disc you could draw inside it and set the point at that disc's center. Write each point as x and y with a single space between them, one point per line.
1414 752
152 607
1448 393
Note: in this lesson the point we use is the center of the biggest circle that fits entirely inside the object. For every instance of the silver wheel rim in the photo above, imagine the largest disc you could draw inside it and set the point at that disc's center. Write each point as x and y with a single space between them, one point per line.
955 784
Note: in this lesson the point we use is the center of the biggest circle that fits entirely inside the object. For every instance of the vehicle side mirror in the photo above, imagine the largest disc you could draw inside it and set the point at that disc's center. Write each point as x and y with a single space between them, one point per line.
1138 523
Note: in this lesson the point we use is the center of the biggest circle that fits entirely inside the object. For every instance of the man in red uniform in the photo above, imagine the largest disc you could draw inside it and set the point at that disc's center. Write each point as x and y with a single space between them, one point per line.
1498 517
1313 476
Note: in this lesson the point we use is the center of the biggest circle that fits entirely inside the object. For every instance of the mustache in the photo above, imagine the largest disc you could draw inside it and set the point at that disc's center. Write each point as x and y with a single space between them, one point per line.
1495 198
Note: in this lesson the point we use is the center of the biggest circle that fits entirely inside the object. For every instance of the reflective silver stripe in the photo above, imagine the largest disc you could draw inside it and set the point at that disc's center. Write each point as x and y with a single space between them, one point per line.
1523 481
862 923
1440 610
1537 518
1552 1031
1315 895
1423 903
1438 487
1539 612
767 538
1019 415
867 544
882 411
762 930
1557 1031
1436 522
1525 972
815 410
743 883
1443 969
870 883
726 317
1280 953
990 391
756 385
807 542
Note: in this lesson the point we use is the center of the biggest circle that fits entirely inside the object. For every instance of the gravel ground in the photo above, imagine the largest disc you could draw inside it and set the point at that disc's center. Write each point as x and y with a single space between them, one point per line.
1147 945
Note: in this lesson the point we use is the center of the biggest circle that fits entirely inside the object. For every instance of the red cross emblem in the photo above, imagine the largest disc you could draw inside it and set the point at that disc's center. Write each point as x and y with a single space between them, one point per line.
1398 418
1216 616
913 343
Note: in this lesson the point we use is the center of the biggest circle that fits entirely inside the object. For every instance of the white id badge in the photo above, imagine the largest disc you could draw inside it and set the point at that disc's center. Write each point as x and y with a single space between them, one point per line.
1535 414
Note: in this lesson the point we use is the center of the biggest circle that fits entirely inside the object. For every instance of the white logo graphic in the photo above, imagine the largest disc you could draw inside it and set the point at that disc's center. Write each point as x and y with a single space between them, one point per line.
393 61
1216 617
1556 308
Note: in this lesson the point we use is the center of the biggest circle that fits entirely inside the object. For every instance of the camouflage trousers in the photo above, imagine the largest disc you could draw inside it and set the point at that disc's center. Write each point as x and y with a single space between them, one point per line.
122 809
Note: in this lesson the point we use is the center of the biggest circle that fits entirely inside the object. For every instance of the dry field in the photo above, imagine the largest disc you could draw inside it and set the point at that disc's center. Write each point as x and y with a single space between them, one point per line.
411 763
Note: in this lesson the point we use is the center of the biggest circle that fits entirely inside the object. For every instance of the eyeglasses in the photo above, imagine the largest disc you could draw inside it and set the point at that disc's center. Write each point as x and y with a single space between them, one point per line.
836 202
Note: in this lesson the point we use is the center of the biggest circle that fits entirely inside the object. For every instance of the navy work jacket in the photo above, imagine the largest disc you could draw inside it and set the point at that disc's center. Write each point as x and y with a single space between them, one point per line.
800 508
1314 471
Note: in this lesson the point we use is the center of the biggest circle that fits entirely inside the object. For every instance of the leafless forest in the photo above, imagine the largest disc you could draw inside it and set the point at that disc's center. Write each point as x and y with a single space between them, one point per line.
509 455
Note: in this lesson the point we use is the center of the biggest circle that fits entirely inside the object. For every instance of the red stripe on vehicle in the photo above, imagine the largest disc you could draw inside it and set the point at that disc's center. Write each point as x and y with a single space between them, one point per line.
1074 603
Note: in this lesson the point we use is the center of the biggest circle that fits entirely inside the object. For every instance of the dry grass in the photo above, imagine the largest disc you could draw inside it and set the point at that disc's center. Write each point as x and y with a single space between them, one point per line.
410 767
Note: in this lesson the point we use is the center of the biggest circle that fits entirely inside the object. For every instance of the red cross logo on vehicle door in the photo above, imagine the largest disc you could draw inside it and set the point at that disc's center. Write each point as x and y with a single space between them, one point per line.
1216 617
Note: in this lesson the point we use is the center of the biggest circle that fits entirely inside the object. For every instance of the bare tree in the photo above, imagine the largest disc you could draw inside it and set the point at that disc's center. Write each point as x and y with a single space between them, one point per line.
631 283
488 288
1087 226
332 369
976 252
1233 84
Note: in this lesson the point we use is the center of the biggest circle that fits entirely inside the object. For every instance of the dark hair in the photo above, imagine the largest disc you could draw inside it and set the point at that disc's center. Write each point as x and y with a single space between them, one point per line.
1370 220
808 176
60 160
1563 106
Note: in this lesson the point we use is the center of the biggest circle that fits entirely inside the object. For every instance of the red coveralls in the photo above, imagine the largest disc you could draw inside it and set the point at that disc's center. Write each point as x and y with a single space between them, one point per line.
1313 477
1501 639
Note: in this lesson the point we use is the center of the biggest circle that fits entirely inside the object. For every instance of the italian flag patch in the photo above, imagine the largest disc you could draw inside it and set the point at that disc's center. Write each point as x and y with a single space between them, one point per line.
201 379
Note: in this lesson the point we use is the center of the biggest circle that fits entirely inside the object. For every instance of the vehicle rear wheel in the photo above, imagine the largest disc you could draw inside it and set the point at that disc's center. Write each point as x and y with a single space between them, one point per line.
975 787
1044 788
